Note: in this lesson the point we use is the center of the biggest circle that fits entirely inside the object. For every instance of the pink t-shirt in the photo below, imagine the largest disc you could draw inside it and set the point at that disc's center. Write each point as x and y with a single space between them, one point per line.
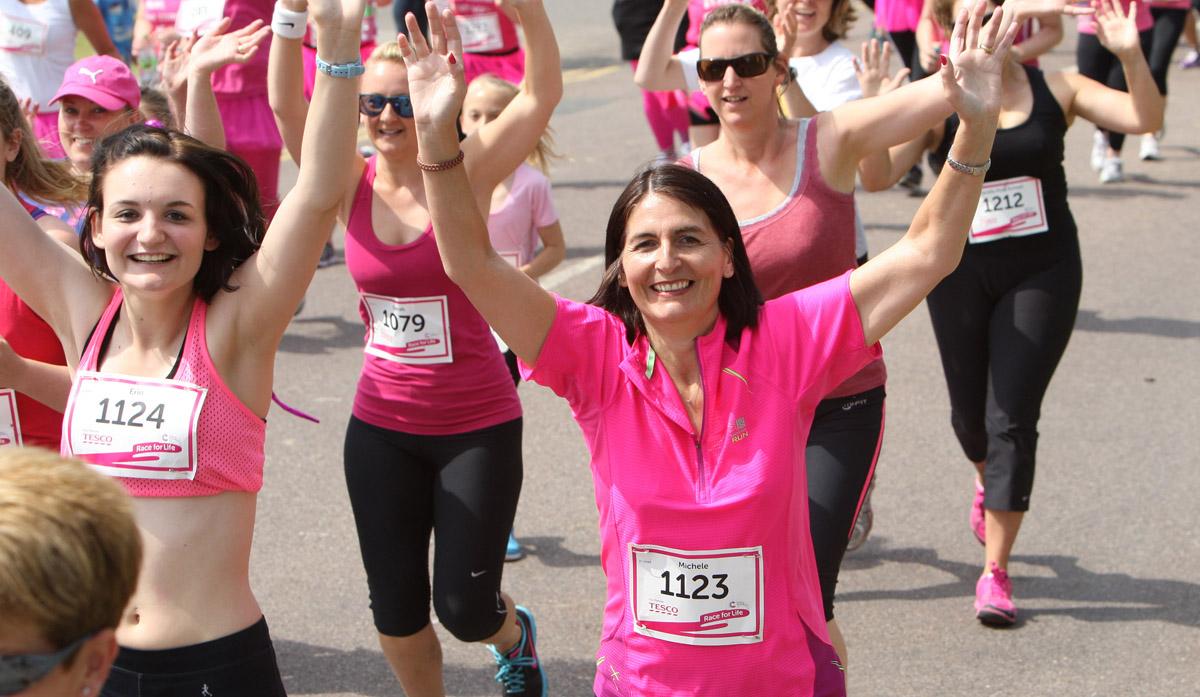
484 28
720 515
1086 24
513 226
160 13
431 365
806 239
699 9
898 15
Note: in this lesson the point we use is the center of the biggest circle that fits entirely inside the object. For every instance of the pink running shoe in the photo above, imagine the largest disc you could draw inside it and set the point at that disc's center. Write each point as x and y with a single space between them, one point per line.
978 526
993 599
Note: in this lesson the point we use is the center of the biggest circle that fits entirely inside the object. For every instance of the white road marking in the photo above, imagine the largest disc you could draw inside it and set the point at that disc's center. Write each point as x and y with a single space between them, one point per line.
560 276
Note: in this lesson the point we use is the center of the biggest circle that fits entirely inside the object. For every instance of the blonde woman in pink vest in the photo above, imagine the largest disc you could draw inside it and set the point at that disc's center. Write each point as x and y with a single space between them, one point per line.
170 322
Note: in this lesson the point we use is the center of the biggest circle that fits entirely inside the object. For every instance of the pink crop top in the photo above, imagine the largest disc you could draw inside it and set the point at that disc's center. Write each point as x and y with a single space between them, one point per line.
806 239
431 365
186 435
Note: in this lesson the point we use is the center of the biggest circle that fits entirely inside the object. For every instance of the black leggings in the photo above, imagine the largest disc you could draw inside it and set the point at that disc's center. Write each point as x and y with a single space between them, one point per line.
1002 324
1168 27
909 52
463 487
403 7
843 446
1096 62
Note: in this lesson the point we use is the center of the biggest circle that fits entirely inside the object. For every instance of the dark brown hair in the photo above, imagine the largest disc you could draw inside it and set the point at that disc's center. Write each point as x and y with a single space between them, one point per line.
231 207
739 299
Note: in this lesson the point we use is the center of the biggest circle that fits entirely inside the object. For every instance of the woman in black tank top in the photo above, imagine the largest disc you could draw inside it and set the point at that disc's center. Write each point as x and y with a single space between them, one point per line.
1004 317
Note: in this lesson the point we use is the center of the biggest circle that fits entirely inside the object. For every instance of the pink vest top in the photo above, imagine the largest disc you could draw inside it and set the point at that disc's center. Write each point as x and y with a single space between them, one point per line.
485 28
431 364
807 239
227 439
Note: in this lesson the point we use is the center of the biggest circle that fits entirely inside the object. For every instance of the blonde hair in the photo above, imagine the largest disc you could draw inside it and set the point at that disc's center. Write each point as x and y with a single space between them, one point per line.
69 548
544 151
43 180
387 52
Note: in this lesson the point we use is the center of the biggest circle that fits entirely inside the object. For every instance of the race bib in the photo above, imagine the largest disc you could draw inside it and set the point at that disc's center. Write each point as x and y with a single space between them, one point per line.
480 33
1009 208
198 16
703 598
10 421
127 426
23 35
409 330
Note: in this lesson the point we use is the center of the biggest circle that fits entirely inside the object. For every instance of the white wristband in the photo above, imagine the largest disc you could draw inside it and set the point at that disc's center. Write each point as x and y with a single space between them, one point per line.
288 24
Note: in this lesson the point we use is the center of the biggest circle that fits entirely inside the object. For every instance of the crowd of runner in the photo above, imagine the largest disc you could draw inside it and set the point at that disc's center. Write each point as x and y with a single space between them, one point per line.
738 294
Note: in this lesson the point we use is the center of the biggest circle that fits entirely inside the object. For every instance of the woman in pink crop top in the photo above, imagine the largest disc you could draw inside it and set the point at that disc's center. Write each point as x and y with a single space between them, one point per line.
33 371
704 525
436 423
192 299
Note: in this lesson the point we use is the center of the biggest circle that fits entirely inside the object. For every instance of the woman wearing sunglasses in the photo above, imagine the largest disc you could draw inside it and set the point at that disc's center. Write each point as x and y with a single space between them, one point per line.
693 395
434 439
69 560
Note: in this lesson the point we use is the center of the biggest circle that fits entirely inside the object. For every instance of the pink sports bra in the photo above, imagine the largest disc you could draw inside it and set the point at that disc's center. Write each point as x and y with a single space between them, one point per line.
183 435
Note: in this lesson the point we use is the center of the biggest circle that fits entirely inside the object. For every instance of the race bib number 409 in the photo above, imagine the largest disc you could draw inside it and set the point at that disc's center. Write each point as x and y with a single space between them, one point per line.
1009 208
704 598
10 422
127 426
23 35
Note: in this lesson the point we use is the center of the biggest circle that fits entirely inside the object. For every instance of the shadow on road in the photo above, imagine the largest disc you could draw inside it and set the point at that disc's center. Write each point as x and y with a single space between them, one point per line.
549 551
319 335
1091 321
312 670
1077 592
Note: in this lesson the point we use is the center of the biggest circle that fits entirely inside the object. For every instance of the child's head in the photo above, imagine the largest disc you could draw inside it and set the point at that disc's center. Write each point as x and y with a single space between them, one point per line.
487 96
156 110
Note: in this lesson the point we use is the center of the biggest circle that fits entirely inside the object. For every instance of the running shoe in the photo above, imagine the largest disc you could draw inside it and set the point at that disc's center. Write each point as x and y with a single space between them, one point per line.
1099 149
1149 148
912 180
862 524
328 256
993 599
514 550
1112 171
1191 60
520 671
978 525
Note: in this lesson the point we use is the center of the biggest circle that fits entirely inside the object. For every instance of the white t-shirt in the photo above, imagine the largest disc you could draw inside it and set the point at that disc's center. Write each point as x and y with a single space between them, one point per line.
37 47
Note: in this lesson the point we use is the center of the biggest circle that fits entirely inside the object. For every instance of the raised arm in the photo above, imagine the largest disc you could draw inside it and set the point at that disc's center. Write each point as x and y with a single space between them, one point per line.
1048 35
87 17
45 382
495 150
889 286
210 52
657 68
1140 110
285 77
872 69
512 303
274 280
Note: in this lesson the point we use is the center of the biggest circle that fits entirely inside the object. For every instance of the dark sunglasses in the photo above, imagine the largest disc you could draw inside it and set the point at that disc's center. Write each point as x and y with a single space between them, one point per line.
749 65
374 104
23 670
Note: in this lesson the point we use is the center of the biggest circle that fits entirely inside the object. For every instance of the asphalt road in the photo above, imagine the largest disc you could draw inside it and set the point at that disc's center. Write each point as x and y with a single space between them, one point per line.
1107 563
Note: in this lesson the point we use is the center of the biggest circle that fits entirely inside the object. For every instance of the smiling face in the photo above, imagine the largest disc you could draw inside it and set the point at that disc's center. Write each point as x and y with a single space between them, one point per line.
152 226
811 16
389 132
733 97
673 263
82 122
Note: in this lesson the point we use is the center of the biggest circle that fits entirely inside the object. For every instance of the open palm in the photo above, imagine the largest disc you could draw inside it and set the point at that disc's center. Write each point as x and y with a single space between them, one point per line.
971 79
435 75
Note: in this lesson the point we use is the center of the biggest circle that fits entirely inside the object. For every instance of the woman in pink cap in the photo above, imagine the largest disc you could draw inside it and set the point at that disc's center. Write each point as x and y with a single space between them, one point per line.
695 397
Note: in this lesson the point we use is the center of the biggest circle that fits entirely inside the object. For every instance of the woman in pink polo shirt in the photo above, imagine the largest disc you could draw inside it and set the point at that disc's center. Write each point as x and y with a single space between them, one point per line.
694 396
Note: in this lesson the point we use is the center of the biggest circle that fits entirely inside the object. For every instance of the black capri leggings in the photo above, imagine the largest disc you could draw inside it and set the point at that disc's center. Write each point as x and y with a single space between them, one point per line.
1002 324
463 487
842 449
909 52
1096 62
1168 26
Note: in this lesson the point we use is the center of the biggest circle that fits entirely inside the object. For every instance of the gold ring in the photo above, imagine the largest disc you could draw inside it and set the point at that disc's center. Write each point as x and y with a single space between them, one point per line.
986 49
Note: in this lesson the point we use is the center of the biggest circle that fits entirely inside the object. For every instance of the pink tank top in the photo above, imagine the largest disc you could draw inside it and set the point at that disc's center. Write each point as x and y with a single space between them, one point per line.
431 364
807 239
186 435
897 15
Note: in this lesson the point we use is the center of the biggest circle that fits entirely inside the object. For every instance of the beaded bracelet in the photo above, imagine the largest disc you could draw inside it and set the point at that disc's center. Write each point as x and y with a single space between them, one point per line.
441 166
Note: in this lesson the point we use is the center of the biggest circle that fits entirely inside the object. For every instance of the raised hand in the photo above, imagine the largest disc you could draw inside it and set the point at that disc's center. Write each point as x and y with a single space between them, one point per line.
1116 31
220 47
435 72
873 66
785 24
172 69
29 108
973 66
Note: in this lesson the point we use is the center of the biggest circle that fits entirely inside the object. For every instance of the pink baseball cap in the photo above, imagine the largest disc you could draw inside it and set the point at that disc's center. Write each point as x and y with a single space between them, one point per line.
102 79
